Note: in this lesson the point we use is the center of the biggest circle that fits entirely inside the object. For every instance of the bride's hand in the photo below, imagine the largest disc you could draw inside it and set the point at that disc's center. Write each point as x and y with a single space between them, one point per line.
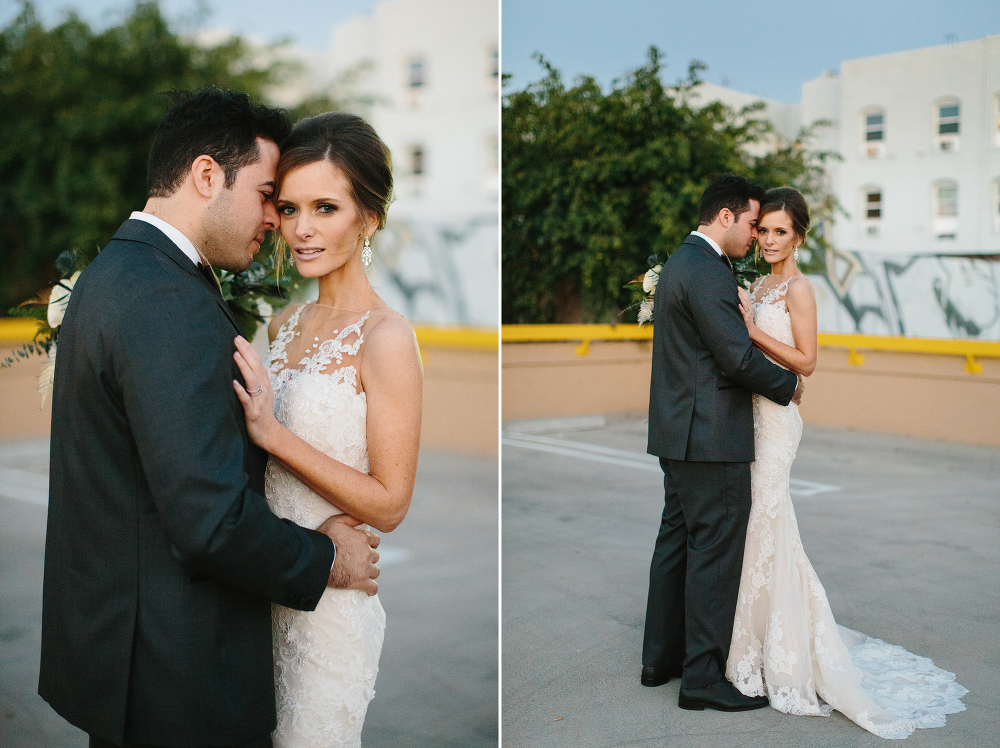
257 396
746 309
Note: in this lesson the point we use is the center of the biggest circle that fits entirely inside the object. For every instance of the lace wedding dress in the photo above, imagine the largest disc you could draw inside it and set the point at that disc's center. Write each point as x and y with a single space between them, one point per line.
786 644
325 661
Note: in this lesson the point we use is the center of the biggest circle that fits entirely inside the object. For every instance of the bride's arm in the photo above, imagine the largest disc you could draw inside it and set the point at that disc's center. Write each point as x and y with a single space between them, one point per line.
800 299
393 382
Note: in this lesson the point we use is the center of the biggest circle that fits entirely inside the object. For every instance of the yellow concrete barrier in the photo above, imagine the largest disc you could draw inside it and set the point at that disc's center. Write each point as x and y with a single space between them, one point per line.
470 338
969 349
461 386
927 387
18 329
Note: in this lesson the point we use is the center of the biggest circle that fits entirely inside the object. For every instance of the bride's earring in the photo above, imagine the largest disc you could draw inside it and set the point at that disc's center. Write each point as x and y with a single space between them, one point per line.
795 254
366 253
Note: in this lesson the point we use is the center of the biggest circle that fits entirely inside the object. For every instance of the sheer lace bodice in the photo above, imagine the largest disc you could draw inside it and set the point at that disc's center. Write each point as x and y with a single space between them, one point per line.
325 660
316 395
786 644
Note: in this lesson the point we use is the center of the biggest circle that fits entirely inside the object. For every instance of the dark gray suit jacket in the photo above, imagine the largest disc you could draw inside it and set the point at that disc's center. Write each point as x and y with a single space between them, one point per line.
161 556
704 365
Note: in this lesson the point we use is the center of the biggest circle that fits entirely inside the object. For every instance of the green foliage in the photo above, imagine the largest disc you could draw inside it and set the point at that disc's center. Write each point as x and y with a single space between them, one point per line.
79 112
264 282
594 183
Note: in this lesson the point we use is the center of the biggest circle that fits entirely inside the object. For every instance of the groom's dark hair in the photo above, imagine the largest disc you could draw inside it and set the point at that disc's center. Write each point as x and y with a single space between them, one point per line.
727 191
222 124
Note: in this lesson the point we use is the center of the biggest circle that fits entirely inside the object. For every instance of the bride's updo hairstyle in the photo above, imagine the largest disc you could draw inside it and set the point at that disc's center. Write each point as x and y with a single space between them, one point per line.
351 144
791 201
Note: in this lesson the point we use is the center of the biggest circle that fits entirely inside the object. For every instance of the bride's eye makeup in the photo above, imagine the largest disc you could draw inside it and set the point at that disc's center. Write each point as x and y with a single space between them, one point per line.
326 208
286 210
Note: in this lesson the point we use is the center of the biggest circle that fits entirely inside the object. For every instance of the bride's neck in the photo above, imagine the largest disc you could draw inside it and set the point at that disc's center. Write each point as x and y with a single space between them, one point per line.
347 289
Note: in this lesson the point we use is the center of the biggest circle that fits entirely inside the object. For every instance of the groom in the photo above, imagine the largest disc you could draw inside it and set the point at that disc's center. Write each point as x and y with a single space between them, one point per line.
161 555
701 428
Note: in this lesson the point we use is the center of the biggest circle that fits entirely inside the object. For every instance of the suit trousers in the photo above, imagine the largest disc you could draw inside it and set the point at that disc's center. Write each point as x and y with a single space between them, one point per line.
99 743
694 577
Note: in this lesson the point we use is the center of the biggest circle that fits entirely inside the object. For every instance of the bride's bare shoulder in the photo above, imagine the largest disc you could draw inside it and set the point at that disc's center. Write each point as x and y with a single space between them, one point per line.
387 327
390 338
800 286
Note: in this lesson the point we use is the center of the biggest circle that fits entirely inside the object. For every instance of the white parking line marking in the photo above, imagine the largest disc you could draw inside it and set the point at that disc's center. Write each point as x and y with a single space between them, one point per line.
634 460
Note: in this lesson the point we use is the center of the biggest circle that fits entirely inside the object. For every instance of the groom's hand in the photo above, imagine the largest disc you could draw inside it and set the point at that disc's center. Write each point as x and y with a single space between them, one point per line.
354 566
797 395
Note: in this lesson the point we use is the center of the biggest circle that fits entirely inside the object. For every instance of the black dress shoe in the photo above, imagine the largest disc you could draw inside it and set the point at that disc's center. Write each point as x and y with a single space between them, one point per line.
652 677
722 696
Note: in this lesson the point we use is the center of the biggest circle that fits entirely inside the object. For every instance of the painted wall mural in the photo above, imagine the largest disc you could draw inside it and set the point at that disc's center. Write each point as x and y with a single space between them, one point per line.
440 273
924 296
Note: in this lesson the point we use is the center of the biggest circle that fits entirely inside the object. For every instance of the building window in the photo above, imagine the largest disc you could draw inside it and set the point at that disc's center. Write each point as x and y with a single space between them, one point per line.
949 125
873 210
873 204
948 119
873 127
417 74
491 174
417 160
873 138
945 209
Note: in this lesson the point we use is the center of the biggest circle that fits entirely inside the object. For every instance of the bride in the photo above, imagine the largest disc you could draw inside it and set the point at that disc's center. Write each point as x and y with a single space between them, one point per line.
785 642
343 432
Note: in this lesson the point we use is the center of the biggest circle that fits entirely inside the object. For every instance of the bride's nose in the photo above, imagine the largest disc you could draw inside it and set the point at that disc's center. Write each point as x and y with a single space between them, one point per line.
303 227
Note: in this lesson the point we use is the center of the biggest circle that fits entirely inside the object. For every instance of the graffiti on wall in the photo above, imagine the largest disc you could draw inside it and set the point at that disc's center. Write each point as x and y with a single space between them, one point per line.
925 296
439 273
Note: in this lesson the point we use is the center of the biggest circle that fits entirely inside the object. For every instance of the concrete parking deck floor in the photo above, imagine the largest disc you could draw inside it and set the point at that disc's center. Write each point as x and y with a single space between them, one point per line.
437 685
903 533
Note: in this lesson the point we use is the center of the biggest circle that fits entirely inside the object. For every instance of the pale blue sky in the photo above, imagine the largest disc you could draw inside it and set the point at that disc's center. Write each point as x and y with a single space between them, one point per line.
307 22
767 49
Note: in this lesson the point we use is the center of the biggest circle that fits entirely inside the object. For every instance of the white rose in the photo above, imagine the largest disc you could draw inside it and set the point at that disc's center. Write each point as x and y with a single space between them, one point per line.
645 311
650 278
59 299
264 309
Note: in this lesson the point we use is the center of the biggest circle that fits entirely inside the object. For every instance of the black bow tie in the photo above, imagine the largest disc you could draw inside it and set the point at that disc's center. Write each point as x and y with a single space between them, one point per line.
209 275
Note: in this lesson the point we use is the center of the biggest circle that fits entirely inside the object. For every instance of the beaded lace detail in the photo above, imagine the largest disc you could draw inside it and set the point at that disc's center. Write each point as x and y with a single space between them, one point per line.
786 644
326 660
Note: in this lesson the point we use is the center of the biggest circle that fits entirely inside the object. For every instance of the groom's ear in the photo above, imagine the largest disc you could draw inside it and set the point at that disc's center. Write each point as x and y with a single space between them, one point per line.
725 217
208 177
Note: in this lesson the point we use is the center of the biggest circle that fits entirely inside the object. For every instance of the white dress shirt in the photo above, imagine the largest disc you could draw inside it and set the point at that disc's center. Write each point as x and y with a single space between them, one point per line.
183 243
710 240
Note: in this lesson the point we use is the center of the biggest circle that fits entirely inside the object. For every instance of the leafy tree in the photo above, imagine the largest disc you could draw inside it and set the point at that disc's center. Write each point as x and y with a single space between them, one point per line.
79 112
595 183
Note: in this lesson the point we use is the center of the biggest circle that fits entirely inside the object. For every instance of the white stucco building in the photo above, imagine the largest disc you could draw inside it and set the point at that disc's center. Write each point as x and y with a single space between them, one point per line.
432 70
919 134
918 252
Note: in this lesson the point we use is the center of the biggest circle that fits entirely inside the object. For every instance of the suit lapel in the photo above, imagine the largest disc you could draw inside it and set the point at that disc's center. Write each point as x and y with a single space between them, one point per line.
704 246
140 231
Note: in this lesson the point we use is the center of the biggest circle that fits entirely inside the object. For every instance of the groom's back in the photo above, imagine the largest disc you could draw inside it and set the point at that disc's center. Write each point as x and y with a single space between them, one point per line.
695 411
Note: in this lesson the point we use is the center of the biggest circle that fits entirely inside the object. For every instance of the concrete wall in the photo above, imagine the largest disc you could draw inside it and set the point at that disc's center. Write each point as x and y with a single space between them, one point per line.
921 395
460 399
22 414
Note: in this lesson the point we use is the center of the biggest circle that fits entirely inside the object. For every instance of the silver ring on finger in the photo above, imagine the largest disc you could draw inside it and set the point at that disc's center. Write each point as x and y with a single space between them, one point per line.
257 391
